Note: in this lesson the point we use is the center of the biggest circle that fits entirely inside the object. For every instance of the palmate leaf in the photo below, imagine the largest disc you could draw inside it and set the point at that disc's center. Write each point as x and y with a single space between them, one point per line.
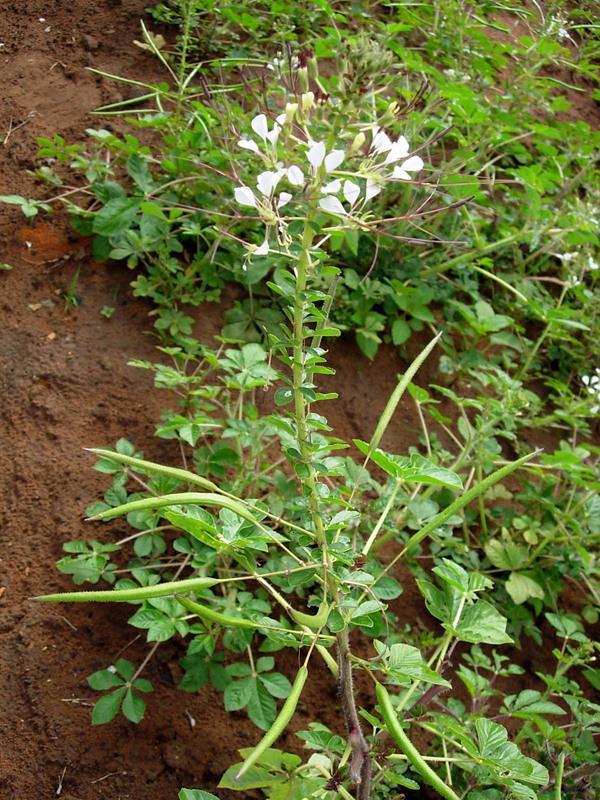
504 757
414 468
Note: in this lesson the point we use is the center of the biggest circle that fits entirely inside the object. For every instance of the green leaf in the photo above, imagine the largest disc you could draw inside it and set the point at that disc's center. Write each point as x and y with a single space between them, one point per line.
482 623
414 468
137 169
116 216
237 694
530 702
276 684
104 679
198 523
196 794
133 707
522 588
262 709
505 756
107 707
401 331
253 778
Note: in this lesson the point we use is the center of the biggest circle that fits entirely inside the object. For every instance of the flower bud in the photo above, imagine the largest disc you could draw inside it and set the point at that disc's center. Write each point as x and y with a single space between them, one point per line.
308 101
390 114
313 68
358 142
303 79
290 112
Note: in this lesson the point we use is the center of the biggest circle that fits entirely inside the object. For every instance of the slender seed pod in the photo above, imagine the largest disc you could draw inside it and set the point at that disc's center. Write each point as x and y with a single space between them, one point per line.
185 498
472 494
204 612
129 595
410 751
280 723
312 621
151 466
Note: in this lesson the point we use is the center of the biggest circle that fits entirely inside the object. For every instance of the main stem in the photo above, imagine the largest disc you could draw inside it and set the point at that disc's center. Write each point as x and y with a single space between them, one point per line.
360 765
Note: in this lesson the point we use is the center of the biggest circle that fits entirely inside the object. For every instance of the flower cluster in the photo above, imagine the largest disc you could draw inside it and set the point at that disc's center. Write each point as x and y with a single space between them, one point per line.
592 384
386 160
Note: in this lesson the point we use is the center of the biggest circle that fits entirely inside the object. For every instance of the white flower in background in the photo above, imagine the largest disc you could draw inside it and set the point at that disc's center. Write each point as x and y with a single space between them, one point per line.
317 155
592 384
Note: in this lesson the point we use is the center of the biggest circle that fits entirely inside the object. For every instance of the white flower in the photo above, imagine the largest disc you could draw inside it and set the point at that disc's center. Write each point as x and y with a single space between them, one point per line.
260 126
333 160
262 250
267 182
413 164
372 190
295 176
248 144
333 187
351 192
592 384
245 196
333 206
398 150
381 142
284 198
316 155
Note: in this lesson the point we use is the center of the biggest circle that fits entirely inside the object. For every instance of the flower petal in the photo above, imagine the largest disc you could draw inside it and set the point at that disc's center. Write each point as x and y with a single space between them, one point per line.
333 187
267 181
400 174
295 176
351 192
333 160
398 150
332 205
248 144
381 142
273 135
315 155
284 199
245 196
262 249
260 127
413 164
372 190
280 119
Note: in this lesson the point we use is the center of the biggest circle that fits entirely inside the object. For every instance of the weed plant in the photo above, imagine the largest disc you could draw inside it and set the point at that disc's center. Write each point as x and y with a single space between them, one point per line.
408 169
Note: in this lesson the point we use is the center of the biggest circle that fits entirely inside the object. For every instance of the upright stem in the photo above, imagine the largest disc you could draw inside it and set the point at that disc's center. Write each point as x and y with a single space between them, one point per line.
360 765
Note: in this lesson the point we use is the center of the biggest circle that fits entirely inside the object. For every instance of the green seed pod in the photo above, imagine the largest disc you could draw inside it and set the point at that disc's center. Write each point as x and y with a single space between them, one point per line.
129 595
206 613
150 466
410 751
312 621
280 723
185 498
